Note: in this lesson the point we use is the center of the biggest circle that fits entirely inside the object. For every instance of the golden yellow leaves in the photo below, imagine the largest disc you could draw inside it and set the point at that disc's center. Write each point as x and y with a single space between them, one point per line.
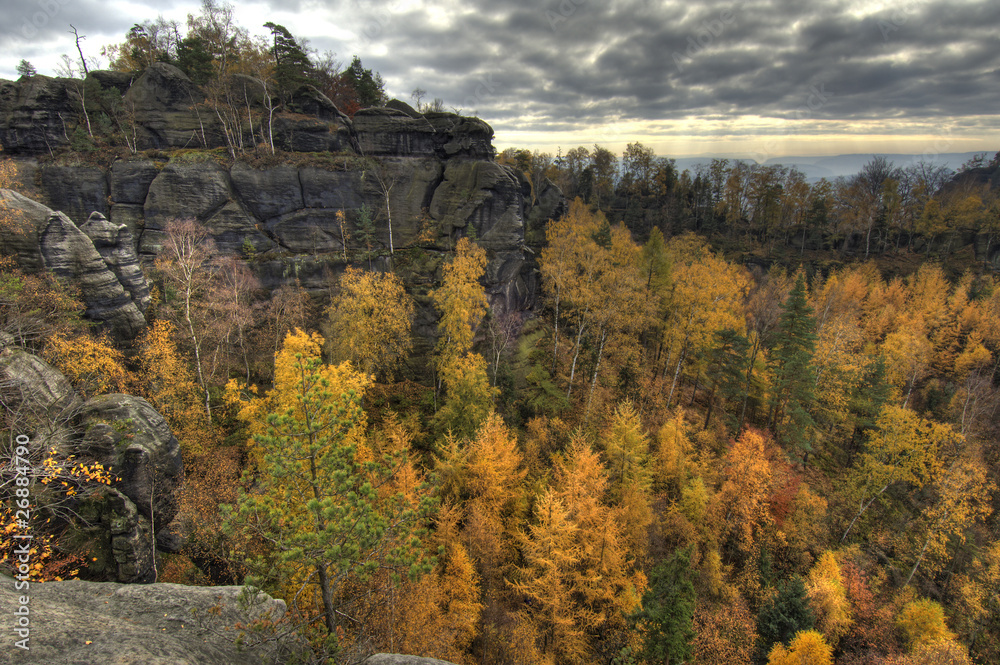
461 300
92 364
370 322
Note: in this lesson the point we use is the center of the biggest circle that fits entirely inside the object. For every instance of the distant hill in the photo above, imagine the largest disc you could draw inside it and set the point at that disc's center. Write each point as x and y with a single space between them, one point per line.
816 167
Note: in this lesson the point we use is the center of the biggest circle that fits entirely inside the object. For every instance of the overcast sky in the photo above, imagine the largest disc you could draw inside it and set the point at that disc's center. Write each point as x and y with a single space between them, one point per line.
758 78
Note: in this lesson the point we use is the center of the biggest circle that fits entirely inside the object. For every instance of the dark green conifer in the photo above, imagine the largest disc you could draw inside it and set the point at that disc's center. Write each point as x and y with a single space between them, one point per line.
793 392
783 616
667 613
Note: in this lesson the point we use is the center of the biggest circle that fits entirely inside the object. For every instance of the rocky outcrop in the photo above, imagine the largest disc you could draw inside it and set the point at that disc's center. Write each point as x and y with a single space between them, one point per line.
163 109
99 258
69 253
165 106
115 244
157 624
387 131
40 401
399 659
128 436
122 432
426 180
37 114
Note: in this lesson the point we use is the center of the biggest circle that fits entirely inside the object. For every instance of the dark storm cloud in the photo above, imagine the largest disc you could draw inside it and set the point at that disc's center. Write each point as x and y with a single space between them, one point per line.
575 62
570 64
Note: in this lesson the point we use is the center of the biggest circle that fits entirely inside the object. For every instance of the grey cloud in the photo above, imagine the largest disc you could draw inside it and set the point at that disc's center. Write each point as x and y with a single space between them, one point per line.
575 63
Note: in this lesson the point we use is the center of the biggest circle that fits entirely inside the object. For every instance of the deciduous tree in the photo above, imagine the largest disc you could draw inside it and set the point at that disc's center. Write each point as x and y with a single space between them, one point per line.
370 321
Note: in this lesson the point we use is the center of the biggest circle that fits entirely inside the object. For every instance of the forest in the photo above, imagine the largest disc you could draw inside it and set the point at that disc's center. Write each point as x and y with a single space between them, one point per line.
750 419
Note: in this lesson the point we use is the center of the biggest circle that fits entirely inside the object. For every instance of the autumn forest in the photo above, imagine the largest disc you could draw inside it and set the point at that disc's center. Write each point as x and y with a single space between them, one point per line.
748 418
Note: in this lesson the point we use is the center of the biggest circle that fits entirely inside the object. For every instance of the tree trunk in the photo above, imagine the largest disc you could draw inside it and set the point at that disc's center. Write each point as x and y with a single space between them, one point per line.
677 373
597 368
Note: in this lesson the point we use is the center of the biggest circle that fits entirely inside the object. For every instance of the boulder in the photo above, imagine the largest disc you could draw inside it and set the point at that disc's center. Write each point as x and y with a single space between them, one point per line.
156 624
166 108
30 218
37 114
132 551
69 253
387 131
402 107
400 659
39 400
130 438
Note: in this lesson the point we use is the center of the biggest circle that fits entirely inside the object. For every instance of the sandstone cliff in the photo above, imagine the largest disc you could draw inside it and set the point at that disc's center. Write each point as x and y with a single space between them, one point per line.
428 179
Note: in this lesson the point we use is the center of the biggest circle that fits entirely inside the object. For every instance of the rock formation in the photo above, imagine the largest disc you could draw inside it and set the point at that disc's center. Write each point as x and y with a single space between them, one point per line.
71 254
156 624
125 434
99 258
399 659
432 173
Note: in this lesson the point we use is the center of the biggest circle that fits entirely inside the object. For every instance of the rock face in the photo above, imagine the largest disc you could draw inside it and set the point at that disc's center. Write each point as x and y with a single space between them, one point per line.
425 180
71 254
164 109
98 257
35 113
126 435
157 624
35 392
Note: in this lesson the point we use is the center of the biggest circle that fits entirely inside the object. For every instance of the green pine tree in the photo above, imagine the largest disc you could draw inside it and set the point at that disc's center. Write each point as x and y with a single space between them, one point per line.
292 67
783 616
369 87
667 613
727 366
314 510
794 379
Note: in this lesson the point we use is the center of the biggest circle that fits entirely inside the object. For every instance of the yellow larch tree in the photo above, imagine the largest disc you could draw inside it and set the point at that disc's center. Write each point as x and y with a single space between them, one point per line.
706 297
462 302
626 448
546 580
828 598
370 321
903 448
495 505
608 583
807 648
622 307
907 352
962 499
742 511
